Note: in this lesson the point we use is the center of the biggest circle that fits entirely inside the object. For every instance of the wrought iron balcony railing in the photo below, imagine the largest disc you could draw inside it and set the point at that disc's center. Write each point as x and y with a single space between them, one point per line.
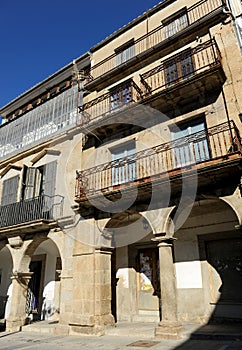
179 68
109 103
38 208
194 14
213 144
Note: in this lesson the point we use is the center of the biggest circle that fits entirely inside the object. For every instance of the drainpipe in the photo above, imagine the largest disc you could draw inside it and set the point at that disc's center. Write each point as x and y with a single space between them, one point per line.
227 10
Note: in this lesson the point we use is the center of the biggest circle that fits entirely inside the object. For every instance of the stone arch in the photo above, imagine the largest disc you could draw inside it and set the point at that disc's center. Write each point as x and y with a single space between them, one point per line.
161 220
234 202
42 259
127 227
210 215
29 251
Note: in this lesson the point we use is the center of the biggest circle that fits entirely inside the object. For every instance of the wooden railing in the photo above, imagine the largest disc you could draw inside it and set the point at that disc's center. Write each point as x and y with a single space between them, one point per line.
194 14
201 147
109 103
180 67
38 208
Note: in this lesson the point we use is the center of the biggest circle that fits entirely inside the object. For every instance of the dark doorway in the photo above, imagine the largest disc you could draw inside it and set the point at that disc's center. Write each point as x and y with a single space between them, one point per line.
35 289
225 256
149 280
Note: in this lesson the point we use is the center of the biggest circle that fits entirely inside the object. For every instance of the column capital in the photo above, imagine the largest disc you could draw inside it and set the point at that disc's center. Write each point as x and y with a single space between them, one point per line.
23 277
163 240
104 250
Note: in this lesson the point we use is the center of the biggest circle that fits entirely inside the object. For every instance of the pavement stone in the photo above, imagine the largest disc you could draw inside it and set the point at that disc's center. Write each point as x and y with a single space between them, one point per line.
126 336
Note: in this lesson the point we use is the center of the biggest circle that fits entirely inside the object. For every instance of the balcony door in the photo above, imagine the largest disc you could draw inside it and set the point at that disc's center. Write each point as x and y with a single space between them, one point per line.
125 52
190 144
121 96
179 67
124 163
175 23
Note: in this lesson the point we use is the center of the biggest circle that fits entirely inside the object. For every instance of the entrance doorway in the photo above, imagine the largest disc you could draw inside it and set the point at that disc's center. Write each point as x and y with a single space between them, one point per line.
225 259
148 282
34 298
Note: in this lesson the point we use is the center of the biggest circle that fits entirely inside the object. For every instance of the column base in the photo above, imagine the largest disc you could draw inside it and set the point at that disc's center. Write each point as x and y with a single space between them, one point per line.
85 330
168 330
14 325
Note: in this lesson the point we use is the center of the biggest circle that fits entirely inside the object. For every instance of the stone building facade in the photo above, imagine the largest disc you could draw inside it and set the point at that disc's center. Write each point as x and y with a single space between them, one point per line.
121 179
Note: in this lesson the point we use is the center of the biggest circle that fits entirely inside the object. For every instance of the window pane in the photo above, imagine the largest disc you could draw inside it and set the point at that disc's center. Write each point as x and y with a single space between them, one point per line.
171 72
187 67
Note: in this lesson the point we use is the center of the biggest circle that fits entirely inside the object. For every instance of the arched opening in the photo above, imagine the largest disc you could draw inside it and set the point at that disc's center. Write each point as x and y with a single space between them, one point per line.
43 295
134 269
6 266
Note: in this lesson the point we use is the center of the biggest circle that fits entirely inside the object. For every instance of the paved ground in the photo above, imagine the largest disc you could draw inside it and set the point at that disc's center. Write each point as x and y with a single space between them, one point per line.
40 341
119 339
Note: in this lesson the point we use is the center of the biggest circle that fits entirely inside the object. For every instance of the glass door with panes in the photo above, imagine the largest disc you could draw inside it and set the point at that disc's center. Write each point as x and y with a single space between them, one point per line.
179 67
190 144
120 97
124 164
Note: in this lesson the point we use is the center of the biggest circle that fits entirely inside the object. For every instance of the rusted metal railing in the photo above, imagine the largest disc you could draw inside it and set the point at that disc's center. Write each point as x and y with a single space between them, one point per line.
193 15
38 208
200 147
180 67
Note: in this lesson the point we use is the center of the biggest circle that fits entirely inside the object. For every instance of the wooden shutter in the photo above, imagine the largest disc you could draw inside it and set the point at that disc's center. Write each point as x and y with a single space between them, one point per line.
29 191
49 174
10 190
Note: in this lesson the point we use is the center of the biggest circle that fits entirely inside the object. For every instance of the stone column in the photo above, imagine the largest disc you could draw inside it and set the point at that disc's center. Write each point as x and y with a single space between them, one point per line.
103 291
91 303
17 317
168 328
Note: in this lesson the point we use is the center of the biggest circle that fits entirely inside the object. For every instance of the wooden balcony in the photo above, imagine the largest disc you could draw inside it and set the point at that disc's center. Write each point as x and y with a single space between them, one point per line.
30 215
162 39
212 153
181 79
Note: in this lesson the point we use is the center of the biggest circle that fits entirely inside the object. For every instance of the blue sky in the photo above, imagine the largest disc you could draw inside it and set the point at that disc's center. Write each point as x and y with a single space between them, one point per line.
39 37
